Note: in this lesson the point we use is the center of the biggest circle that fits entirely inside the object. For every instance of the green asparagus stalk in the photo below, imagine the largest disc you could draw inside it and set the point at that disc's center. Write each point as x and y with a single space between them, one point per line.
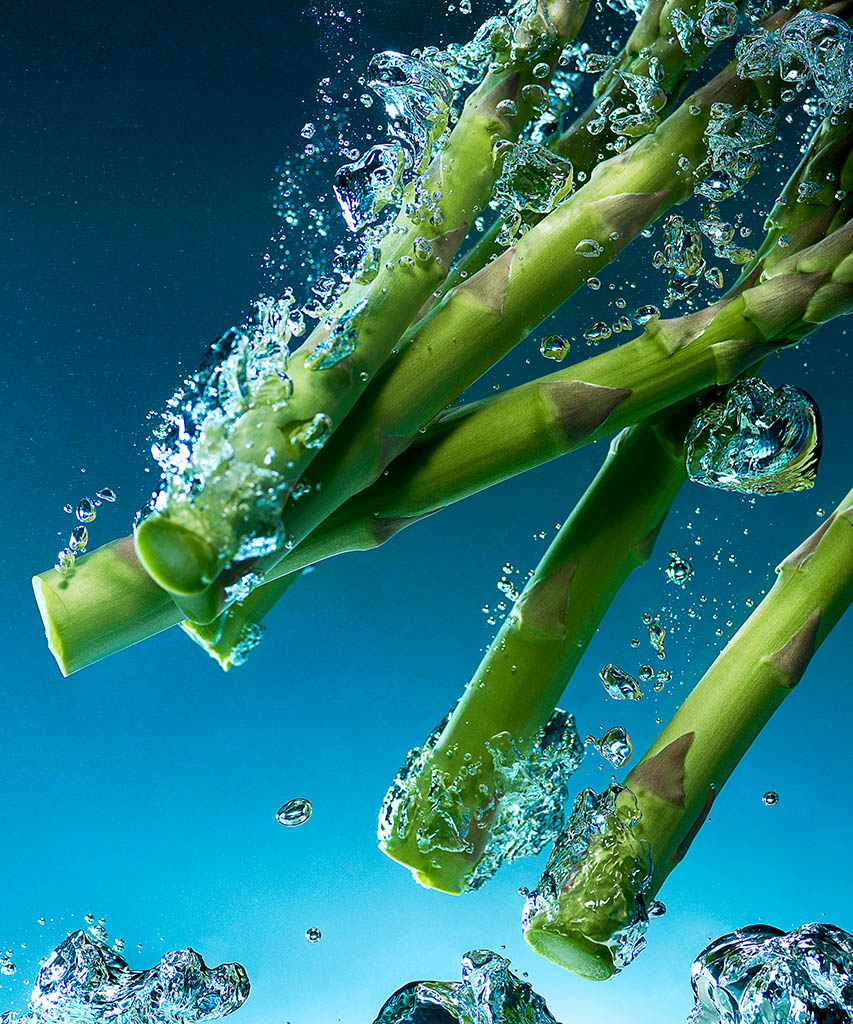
610 532
483 318
536 422
651 52
186 546
680 776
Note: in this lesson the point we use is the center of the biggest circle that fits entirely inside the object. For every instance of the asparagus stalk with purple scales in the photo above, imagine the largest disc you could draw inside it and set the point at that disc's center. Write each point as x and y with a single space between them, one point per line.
683 772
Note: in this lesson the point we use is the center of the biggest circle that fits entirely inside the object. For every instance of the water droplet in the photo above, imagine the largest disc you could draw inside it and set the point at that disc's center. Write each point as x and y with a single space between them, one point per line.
507 108
770 798
599 331
422 249
614 745
294 812
679 569
645 314
657 633
79 539
645 673
65 561
656 908
68 508
555 347
85 511
663 677
106 494
309 129
589 247
619 684
313 934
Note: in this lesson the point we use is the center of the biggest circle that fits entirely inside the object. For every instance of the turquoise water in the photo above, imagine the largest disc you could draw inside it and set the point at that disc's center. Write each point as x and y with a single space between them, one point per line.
139 189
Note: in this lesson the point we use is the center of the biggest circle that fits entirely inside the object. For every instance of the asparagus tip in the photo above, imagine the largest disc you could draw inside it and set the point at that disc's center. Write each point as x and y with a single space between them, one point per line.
571 950
176 558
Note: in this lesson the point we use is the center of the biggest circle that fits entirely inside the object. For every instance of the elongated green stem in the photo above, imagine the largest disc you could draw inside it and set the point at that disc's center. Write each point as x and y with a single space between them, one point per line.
483 318
652 52
610 532
683 772
186 546
672 360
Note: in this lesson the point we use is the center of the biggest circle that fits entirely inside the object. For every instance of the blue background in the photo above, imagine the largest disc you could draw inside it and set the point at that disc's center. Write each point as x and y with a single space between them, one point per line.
140 144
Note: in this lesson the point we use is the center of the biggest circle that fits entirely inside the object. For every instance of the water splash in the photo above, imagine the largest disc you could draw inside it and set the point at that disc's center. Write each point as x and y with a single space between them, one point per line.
597 874
681 255
760 973
522 795
364 187
532 180
733 138
757 441
489 993
812 46
84 981
417 98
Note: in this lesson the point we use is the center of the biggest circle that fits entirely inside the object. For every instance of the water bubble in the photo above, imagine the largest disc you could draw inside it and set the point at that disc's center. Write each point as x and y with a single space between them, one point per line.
663 677
718 22
79 539
106 494
679 569
614 745
645 314
555 347
507 108
313 934
645 673
85 511
657 633
620 685
309 129
685 29
657 908
65 561
294 812
599 331
770 798
68 508
535 96
589 247
759 440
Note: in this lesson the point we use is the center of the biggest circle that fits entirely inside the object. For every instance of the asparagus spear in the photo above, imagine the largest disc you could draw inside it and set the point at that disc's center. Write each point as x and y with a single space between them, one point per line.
186 545
671 360
483 318
669 793
610 532
652 52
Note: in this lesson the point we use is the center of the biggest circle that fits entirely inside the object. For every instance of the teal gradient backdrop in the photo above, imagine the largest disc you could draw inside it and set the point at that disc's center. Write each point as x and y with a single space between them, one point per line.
140 145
